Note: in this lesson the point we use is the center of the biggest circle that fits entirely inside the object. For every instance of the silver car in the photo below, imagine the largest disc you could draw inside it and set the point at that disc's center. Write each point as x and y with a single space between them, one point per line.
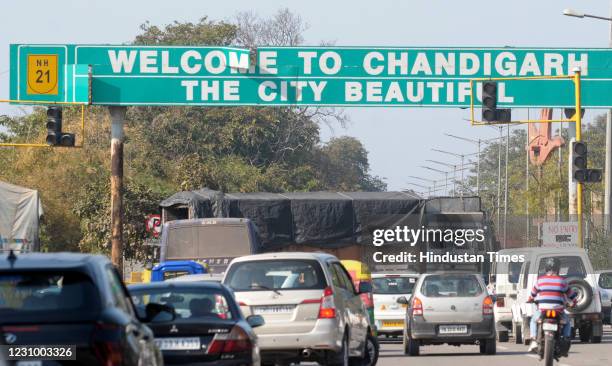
312 311
451 308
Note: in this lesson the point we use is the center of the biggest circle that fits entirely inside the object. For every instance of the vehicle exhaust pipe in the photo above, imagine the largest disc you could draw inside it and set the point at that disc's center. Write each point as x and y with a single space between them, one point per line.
306 352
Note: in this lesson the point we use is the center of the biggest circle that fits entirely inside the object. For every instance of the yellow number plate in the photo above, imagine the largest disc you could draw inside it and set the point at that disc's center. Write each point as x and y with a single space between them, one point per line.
392 323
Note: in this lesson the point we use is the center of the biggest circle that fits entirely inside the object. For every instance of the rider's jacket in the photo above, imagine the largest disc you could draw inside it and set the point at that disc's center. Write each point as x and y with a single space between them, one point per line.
550 292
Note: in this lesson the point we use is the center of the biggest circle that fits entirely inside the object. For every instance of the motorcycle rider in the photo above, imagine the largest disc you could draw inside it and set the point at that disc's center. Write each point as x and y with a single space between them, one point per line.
550 293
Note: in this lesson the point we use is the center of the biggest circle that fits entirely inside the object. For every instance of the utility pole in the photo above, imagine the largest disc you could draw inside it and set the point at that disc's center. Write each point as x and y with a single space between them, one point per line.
117 123
506 188
499 178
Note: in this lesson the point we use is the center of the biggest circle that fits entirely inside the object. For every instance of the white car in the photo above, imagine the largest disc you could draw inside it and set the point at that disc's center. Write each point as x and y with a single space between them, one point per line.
452 308
504 278
311 309
604 281
586 318
387 288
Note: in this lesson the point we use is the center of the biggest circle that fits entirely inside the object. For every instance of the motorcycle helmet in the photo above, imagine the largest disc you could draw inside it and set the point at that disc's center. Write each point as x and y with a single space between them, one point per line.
552 265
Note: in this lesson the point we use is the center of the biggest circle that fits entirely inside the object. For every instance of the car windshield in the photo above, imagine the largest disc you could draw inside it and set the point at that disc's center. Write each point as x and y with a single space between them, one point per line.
282 274
188 303
393 285
605 280
451 285
571 266
47 296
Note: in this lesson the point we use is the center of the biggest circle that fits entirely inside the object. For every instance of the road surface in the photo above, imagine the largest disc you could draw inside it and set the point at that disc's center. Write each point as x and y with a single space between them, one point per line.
508 354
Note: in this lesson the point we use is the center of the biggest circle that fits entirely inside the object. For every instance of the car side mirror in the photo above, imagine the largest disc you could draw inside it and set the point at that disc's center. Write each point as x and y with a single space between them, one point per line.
365 287
403 300
255 321
158 313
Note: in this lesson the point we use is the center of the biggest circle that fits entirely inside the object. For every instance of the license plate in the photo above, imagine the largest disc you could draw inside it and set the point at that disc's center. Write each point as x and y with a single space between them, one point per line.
549 326
278 309
29 363
178 344
392 323
453 329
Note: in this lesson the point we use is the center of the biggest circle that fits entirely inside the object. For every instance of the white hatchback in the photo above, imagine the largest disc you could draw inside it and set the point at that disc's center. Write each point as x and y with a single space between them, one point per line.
387 288
311 309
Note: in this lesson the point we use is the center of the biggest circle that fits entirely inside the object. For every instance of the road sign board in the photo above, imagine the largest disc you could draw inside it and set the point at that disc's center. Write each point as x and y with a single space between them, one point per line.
333 76
560 234
42 74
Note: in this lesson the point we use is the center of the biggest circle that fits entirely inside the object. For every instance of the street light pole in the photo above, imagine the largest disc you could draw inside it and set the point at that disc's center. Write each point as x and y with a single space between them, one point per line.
608 162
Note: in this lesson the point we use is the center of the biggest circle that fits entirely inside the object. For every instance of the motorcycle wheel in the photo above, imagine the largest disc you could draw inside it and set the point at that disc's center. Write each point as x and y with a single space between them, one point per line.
549 350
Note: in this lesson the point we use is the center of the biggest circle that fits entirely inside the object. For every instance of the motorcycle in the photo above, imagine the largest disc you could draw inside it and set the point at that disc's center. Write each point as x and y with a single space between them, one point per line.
551 346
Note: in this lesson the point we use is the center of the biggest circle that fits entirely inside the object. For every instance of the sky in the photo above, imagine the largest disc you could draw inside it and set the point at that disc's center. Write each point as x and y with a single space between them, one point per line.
399 140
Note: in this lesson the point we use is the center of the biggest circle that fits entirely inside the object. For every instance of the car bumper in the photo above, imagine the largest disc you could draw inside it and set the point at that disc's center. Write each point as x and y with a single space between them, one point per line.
426 331
326 335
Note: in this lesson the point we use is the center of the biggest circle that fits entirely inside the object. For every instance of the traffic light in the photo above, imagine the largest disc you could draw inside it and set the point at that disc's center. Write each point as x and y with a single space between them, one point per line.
490 113
580 173
55 136
54 125
570 112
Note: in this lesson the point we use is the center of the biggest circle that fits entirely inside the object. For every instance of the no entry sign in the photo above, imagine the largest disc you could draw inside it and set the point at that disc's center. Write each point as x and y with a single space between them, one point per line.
332 76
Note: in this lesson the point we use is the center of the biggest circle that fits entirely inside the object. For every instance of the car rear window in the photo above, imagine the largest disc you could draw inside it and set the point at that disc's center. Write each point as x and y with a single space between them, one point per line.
571 266
281 274
605 280
189 303
451 286
47 296
393 285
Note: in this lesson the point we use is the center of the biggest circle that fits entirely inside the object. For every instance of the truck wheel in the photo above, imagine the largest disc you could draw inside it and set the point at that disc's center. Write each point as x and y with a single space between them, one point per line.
526 332
488 346
516 330
585 333
502 336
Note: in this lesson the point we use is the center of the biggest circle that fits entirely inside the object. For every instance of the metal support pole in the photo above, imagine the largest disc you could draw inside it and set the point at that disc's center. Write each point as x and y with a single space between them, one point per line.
578 119
506 187
454 180
608 166
117 123
499 144
478 171
527 183
462 178
446 182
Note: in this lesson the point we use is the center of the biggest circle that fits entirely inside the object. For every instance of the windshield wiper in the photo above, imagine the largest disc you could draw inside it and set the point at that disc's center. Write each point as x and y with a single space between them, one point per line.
265 288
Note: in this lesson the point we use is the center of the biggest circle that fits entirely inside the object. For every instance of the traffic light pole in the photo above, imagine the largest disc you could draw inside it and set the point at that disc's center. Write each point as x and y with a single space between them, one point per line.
117 123
578 123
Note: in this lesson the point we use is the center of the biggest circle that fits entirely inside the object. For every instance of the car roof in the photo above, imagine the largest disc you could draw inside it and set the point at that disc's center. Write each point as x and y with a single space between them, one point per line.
391 274
538 251
208 221
60 260
197 277
286 255
516 250
176 284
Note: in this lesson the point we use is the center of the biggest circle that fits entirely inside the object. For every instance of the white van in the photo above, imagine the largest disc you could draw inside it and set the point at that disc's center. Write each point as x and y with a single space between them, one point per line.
505 277
576 267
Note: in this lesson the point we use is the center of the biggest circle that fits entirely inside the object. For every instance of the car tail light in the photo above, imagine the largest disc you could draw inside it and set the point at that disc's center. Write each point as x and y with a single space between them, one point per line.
237 340
417 306
501 302
487 306
109 353
327 309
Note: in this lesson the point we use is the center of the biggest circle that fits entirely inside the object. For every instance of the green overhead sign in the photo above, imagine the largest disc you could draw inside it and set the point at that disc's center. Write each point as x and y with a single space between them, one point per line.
319 76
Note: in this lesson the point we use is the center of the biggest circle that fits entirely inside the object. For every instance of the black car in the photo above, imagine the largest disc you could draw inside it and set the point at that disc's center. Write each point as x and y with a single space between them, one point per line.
73 299
208 329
